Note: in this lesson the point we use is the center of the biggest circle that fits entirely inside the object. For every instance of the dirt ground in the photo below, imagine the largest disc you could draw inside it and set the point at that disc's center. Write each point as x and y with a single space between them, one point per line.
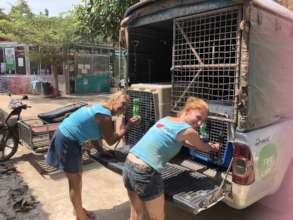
103 190
51 190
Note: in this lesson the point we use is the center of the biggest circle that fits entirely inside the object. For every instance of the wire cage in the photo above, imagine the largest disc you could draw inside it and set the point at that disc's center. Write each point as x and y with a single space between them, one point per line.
205 62
35 134
154 104
218 131
147 113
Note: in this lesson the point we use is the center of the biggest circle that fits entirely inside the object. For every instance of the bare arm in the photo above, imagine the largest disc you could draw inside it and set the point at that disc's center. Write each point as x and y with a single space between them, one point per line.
108 131
191 139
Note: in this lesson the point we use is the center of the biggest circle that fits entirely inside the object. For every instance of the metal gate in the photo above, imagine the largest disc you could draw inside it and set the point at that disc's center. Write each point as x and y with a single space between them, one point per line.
92 63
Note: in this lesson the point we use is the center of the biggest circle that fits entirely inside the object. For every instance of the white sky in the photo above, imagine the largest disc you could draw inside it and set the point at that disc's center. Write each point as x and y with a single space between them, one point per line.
55 7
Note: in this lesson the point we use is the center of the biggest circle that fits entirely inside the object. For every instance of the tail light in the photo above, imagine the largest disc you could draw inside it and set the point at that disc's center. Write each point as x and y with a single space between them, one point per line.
242 165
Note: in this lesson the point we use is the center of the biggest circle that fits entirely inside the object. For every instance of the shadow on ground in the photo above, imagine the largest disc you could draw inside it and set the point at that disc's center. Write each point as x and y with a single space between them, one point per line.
16 200
218 212
120 212
223 212
39 164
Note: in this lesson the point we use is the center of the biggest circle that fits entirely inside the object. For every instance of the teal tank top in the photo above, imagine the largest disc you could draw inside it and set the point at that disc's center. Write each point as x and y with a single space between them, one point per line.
81 125
159 144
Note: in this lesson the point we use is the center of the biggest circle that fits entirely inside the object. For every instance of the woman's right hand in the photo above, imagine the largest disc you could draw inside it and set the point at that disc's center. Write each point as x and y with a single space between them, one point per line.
134 121
215 146
124 128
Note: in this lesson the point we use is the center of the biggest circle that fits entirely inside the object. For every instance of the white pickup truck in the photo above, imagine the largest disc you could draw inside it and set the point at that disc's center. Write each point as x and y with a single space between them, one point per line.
236 55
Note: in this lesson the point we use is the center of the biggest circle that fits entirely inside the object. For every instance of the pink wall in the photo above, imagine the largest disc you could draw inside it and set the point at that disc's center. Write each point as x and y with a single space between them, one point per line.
21 84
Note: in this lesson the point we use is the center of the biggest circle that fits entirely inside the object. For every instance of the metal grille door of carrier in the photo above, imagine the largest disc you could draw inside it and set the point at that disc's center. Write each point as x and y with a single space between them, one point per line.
147 113
205 60
219 131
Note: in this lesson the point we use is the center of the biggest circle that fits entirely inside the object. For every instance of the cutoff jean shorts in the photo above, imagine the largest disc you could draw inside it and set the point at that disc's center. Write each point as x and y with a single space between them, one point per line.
146 183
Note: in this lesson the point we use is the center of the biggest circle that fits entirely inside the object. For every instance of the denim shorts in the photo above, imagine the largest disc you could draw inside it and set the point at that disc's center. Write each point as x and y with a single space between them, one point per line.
147 184
64 153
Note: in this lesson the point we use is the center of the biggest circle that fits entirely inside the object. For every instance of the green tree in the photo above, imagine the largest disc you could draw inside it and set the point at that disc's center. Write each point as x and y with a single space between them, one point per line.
2 14
100 19
50 36
21 9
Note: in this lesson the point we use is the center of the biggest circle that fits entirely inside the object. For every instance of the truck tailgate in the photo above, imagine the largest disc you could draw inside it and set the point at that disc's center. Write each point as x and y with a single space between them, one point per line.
189 189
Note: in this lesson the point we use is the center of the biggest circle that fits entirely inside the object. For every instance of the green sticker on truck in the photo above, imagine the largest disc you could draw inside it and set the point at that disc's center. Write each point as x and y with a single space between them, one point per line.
267 159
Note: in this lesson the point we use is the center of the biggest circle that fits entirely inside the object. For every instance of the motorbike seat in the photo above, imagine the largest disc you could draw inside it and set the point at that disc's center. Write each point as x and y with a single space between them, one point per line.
57 115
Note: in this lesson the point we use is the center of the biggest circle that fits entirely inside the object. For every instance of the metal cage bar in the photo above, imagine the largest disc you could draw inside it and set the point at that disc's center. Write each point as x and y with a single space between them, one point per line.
147 112
218 131
205 60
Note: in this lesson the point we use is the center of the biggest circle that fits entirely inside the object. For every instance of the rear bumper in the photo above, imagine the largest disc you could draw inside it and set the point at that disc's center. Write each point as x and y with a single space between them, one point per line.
245 196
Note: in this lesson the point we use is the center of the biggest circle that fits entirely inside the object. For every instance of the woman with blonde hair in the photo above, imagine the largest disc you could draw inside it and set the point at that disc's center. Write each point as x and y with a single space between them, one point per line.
87 123
143 166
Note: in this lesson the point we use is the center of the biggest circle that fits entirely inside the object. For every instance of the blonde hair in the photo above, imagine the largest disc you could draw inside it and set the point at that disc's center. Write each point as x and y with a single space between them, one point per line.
195 104
114 98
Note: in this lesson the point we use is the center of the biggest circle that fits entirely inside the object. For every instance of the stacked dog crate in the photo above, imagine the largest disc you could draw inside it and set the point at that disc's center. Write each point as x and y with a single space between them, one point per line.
155 103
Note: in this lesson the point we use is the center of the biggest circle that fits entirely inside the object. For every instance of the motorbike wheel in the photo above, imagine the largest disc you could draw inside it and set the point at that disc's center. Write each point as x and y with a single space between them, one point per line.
8 146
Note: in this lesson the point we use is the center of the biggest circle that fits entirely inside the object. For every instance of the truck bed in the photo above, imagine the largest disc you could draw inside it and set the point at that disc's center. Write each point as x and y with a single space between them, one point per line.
185 187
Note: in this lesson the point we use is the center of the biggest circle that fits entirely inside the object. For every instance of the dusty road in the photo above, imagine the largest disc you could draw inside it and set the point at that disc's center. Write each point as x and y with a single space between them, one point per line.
103 190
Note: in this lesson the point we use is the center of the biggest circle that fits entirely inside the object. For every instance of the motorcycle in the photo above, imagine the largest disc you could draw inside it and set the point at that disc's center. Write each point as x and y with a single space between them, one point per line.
33 133
9 137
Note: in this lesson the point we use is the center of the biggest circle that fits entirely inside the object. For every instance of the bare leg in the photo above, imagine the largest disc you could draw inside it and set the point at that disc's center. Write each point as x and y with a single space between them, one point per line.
136 206
156 208
75 184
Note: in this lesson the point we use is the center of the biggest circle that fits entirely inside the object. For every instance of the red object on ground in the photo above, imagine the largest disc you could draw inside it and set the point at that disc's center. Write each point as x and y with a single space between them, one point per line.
44 128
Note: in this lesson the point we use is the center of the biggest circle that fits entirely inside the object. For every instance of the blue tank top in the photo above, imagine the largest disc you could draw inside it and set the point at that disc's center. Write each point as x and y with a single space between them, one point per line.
81 125
159 144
